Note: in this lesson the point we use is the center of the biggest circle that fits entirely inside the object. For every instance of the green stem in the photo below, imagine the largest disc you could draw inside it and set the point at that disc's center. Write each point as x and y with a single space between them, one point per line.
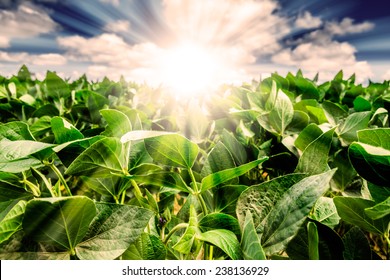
388 246
123 197
211 252
173 230
137 190
59 175
197 193
34 189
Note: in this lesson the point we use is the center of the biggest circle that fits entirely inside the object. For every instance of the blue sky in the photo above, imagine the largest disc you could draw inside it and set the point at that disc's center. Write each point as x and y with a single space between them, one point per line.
244 38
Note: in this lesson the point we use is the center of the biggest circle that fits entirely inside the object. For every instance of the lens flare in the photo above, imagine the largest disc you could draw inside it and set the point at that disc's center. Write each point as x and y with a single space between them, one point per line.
189 69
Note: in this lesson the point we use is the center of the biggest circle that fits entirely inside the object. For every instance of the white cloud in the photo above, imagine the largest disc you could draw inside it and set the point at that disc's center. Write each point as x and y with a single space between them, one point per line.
320 52
307 21
25 22
49 59
347 26
118 26
386 75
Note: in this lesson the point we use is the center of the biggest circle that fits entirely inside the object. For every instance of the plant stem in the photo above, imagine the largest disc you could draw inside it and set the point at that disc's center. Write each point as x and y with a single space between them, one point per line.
197 193
59 175
173 230
211 252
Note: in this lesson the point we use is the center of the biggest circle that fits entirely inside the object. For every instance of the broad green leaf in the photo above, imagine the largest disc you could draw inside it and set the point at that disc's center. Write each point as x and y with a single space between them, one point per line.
330 245
15 131
286 217
19 149
360 104
56 87
41 126
64 131
11 193
380 210
219 221
49 110
334 112
12 222
250 242
62 222
112 231
356 245
299 122
21 155
378 193
317 114
313 241
345 172
187 240
372 163
142 134
351 210
260 199
146 247
105 185
307 135
314 159
118 124
138 155
236 149
378 137
325 212
172 150
225 198
163 179
225 240
95 102
353 123
282 113
218 159
106 153
220 177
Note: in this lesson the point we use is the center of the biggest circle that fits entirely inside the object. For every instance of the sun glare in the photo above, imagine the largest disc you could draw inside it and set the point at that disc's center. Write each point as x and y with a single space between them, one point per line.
189 69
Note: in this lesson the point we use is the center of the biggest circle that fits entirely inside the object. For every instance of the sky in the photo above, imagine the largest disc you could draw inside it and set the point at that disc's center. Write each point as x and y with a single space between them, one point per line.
195 41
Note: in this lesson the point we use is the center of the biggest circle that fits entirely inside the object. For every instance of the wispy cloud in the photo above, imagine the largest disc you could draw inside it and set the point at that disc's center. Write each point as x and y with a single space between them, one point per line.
27 21
307 21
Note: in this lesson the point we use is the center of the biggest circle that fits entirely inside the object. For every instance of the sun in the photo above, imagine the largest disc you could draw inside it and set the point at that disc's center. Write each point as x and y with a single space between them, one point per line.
190 69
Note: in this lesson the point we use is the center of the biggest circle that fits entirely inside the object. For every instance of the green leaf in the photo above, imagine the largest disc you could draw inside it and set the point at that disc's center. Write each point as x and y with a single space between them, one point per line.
360 104
372 163
142 134
307 135
21 155
118 124
12 222
106 153
356 245
345 172
220 177
313 241
286 217
64 131
219 221
225 240
95 102
172 150
187 240
250 242
378 137
218 159
146 247
353 123
112 231
260 199
314 159
62 222
351 210
56 87
334 112
41 126
15 131
299 122
380 210
317 114
330 245
325 212
282 113
236 149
